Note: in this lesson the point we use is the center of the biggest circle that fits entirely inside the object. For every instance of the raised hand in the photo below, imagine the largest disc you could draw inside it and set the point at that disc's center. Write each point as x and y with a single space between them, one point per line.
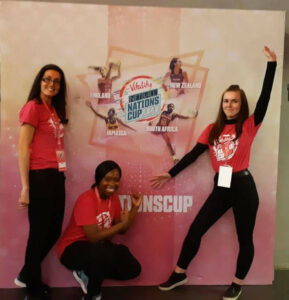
136 199
159 180
271 55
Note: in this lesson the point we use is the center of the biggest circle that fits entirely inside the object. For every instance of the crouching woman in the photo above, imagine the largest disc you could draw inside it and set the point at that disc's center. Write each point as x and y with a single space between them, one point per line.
97 216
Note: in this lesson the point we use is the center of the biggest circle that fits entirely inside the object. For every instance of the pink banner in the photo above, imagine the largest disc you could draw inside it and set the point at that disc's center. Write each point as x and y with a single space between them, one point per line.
124 104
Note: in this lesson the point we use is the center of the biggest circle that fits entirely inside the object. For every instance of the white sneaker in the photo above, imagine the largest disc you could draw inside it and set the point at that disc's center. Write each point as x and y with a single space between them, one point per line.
82 279
19 283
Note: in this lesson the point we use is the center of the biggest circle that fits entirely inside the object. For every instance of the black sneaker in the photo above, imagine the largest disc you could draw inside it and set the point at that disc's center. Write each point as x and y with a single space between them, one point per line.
233 292
175 280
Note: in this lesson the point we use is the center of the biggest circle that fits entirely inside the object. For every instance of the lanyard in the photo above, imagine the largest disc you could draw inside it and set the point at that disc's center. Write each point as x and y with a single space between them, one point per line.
55 120
226 150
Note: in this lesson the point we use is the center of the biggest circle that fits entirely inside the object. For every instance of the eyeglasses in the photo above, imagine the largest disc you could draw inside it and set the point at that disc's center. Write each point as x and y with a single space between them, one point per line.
49 80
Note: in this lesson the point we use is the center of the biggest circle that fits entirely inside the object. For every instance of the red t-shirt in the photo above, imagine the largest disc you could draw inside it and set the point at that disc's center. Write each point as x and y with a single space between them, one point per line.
226 150
89 209
44 143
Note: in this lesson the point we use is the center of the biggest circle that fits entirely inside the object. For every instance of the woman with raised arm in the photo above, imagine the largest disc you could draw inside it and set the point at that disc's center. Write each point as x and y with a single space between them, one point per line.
105 82
164 120
85 246
112 121
41 165
229 141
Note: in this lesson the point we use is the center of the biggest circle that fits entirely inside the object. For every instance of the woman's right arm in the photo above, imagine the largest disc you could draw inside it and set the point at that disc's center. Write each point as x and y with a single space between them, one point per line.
160 180
95 234
25 139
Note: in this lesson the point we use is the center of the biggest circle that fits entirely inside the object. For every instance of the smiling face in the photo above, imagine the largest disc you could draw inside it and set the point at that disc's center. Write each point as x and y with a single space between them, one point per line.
231 104
50 84
109 184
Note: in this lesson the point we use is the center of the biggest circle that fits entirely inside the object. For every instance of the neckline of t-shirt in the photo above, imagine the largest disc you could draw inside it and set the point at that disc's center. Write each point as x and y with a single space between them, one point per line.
231 121
98 198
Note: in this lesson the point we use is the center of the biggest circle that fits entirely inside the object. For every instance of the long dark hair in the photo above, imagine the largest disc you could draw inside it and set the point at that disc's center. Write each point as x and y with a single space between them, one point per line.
221 118
102 169
173 63
59 100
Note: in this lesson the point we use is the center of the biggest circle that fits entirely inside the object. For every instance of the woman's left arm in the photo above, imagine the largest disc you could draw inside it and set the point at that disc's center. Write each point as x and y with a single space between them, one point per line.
264 98
185 77
136 200
118 72
125 125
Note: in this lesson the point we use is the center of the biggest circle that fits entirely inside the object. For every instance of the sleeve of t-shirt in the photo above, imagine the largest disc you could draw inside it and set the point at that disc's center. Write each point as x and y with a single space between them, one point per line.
29 114
250 127
117 207
204 137
85 210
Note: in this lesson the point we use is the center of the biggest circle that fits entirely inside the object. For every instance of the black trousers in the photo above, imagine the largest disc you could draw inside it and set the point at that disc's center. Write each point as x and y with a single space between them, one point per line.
243 198
99 261
45 213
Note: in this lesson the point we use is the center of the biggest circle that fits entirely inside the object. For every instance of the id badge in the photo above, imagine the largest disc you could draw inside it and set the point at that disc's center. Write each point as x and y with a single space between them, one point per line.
225 176
60 157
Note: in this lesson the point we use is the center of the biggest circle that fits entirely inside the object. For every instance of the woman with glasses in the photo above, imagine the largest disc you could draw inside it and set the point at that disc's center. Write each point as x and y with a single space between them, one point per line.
229 141
41 165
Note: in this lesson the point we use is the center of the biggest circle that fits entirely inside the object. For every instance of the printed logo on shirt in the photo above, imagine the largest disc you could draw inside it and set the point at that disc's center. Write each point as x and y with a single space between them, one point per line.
104 219
225 147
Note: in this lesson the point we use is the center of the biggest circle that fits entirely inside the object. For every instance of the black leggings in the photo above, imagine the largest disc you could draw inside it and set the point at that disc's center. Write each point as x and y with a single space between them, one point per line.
99 261
45 213
243 198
